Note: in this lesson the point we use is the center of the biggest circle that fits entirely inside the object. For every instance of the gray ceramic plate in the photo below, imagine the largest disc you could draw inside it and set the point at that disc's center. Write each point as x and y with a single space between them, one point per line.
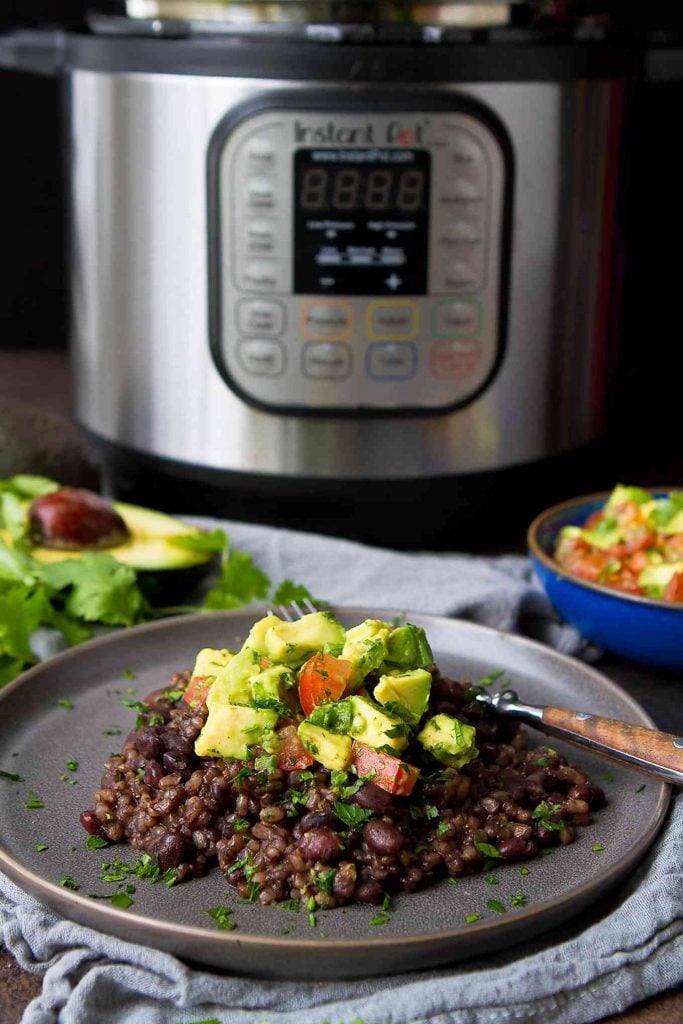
38 735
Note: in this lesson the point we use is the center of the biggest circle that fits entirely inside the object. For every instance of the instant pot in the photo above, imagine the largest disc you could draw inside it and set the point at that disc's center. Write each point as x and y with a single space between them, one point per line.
350 267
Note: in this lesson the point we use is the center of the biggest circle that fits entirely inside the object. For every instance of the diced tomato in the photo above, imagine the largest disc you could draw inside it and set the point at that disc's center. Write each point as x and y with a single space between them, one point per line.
674 588
197 690
636 562
389 773
322 678
292 755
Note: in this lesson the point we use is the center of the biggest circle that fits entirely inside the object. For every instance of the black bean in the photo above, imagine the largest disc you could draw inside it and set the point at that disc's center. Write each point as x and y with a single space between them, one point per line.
374 798
383 837
369 892
149 742
90 823
318 819
173 763
153 774
512 848
320 844
170 848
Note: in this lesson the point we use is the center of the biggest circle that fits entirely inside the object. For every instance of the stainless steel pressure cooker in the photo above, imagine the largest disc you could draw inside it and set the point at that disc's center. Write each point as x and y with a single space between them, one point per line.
339 270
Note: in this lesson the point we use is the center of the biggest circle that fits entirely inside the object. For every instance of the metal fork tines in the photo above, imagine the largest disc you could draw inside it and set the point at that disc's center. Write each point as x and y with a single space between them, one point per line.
293 610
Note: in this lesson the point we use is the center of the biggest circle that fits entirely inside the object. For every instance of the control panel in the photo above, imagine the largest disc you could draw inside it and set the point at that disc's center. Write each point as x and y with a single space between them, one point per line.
358 258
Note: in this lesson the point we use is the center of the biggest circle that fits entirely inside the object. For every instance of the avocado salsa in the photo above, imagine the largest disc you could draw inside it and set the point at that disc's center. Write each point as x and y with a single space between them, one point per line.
634 543
332 766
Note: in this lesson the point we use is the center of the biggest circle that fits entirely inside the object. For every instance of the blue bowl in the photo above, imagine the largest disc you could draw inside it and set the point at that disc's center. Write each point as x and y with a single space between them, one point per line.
642 629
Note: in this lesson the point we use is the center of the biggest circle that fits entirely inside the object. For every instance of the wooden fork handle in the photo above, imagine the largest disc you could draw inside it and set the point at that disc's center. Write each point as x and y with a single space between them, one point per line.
654 752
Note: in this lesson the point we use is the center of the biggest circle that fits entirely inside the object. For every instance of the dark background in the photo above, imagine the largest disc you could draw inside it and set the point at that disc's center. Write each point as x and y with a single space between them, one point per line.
647 386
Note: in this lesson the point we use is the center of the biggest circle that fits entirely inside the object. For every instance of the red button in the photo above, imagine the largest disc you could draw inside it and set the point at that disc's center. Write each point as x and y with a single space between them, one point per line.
453 360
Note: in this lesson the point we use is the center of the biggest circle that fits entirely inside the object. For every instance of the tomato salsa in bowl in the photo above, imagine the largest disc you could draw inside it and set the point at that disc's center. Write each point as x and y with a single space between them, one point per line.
611 564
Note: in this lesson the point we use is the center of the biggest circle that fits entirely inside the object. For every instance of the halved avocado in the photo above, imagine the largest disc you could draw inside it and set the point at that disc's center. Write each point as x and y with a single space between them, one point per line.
166 571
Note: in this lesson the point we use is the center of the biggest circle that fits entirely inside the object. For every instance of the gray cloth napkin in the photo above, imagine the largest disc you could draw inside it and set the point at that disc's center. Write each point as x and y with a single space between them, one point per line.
631 947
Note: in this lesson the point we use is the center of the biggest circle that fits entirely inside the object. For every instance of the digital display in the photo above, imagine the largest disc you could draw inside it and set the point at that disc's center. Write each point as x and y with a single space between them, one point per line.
361 221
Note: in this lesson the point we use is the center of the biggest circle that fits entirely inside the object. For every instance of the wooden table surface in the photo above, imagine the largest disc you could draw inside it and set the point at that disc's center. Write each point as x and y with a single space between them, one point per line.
43 377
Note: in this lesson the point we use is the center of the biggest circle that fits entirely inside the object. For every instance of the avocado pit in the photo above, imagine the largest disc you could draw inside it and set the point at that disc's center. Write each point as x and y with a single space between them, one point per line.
73 518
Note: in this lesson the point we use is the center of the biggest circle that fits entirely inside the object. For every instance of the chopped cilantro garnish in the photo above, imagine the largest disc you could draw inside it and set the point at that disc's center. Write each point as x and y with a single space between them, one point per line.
71 765
387 902
114 871
380 919
497 906
524 871
325 881
471 918
241 825
128 673
518 899
597 847
266 763
41 847
640 788
33 801
490 879
351 815
253 890
96 842
11 776
67 882
64 702
146 867
170 877
223 918
487 850
442 828
291 906
122 900
488 680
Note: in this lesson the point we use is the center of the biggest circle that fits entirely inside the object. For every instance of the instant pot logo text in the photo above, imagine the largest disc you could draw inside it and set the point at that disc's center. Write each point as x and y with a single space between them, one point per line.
396 133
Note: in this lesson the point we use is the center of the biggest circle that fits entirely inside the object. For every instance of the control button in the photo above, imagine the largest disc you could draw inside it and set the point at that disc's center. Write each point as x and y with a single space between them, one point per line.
261 193
326 360
460 231
260 276
461 192
454 359
260 316
327 320
467 154
260 237
262 358
260 152
453 318
386 320
459 276
391 361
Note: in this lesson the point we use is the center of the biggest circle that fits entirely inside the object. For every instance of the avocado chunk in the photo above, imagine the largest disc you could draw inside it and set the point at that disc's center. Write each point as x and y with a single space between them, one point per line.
623 493
210 661
257 634
291 643
269 688
449 740
365 647
655 578
232 683
372 725
405 694
408 647
330 749
230 730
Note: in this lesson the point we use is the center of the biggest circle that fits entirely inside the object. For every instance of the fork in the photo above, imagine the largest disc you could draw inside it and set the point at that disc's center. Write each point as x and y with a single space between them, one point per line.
293 610
646 750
